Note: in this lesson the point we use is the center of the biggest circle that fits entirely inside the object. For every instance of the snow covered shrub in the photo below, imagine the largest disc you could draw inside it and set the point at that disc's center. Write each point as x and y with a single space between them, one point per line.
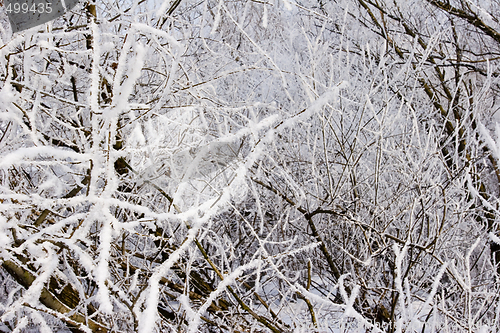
251 166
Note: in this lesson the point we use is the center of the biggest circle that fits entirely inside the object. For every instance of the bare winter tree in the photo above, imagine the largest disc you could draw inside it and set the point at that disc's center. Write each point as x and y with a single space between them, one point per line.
252 166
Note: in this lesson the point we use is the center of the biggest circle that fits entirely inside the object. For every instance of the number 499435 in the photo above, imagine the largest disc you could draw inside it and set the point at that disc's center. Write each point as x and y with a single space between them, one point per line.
41 8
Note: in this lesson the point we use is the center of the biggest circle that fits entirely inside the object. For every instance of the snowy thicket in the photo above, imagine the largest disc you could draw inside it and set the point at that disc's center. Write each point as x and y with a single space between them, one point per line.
252 166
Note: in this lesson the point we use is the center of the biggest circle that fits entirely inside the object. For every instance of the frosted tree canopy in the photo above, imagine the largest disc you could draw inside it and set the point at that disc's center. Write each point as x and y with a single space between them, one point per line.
251 166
